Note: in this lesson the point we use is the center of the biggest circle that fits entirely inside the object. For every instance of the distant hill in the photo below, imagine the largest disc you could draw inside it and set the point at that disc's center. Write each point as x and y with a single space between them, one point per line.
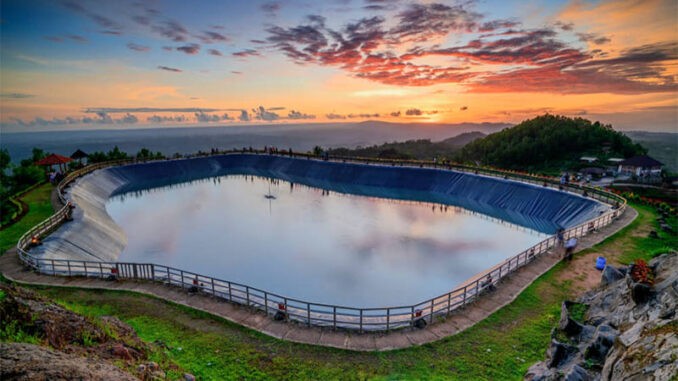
662 146
422 149
463 139
549 143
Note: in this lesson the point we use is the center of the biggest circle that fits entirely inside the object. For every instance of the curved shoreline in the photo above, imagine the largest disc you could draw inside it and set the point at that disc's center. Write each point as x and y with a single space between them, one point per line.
95 236
369 178
12 268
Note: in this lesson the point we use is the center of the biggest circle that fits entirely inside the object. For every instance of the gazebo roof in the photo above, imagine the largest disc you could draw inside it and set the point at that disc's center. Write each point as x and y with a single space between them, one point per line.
53 159
79 154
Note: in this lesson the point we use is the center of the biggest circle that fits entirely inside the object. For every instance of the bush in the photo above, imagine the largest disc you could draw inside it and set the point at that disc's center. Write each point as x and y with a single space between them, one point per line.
26 176
642 273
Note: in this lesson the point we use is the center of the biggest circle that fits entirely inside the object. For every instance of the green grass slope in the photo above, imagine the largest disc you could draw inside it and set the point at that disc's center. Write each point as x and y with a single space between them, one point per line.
39 209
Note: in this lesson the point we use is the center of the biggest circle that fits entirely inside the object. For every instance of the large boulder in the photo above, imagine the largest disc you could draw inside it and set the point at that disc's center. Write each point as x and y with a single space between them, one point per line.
640 293
577 373
540 372
610 275
566 324
601 344
559 354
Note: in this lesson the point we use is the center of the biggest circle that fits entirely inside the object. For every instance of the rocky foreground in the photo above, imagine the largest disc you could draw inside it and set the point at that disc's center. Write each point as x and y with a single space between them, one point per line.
72 346
20 361
625 330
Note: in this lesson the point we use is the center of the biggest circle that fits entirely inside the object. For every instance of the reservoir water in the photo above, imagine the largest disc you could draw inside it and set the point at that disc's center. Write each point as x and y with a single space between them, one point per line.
313 244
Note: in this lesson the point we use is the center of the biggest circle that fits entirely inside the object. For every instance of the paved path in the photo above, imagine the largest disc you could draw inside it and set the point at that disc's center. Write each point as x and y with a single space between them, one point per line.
458 321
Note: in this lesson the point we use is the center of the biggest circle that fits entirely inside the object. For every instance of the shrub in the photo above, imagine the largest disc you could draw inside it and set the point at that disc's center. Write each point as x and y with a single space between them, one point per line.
642 273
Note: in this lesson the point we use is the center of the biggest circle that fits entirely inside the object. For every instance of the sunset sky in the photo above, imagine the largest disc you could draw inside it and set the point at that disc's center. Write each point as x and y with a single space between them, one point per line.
129 64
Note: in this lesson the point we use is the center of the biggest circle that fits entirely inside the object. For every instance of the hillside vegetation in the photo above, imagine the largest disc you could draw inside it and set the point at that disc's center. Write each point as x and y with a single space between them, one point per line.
421 149
549 142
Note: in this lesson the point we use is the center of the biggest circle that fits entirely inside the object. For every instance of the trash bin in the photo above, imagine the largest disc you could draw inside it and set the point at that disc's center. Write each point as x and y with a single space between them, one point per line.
600 263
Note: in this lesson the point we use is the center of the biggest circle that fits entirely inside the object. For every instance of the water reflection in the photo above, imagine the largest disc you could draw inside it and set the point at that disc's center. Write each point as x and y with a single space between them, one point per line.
311 243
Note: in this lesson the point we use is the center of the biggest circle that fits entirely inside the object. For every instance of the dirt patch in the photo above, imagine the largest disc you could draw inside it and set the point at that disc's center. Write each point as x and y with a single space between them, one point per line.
581 272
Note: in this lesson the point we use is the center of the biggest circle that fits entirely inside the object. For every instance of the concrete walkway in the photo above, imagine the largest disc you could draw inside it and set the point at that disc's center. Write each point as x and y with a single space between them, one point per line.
458 321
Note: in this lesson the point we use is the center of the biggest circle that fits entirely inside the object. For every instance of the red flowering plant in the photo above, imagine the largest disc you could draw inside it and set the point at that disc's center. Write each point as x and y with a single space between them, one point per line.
642 273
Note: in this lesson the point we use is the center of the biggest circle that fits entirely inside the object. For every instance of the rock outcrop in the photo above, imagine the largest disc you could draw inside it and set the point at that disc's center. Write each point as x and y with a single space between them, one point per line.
19 361
629 330
80 347
64 330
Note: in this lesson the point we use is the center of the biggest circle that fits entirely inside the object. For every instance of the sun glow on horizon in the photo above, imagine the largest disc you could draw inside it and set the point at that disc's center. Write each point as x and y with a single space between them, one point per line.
460 62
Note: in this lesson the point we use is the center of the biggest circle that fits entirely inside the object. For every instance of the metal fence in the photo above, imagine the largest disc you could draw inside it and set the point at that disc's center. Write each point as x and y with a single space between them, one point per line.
314 314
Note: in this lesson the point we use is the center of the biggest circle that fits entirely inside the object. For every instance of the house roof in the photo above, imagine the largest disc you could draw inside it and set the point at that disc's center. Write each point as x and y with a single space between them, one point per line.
641 161
79 154
53 159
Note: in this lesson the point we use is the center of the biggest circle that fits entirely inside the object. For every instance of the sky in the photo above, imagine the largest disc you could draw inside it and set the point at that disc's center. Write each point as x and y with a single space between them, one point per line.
78 64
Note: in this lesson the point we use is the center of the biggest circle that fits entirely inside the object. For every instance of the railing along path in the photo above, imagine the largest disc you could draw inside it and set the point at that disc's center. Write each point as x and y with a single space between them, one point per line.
316 314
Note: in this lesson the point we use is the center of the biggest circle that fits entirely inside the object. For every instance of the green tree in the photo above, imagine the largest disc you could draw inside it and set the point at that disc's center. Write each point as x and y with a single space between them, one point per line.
5 179
5 160
116 154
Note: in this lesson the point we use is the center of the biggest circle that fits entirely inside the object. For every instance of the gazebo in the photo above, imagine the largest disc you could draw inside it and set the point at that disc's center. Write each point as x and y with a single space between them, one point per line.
54 159
79 155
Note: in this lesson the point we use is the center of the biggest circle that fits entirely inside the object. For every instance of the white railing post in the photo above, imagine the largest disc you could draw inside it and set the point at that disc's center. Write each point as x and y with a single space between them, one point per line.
361 320
308 313
388 318
431 317
334 316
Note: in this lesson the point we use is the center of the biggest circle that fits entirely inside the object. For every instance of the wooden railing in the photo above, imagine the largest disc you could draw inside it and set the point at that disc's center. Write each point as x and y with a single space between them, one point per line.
316 314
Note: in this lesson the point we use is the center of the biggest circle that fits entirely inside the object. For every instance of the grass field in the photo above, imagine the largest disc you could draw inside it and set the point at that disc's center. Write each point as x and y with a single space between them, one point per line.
39 208
501 347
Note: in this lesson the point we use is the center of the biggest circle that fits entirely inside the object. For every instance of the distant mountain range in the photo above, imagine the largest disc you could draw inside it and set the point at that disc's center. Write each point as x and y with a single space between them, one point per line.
300 137
422 149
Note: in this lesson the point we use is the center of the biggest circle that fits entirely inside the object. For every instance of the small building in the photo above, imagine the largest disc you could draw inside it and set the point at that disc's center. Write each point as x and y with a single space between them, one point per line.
588 159
612 165
641 166
592 172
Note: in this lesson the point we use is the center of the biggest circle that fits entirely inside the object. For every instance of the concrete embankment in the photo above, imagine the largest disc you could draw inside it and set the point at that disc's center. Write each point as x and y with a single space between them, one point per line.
93 235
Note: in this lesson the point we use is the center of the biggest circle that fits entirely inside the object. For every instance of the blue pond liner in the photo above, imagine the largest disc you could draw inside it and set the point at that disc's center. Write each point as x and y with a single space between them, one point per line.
541 209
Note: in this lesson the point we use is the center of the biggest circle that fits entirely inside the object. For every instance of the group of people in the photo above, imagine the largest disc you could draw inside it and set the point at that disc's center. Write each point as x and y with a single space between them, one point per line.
55 177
